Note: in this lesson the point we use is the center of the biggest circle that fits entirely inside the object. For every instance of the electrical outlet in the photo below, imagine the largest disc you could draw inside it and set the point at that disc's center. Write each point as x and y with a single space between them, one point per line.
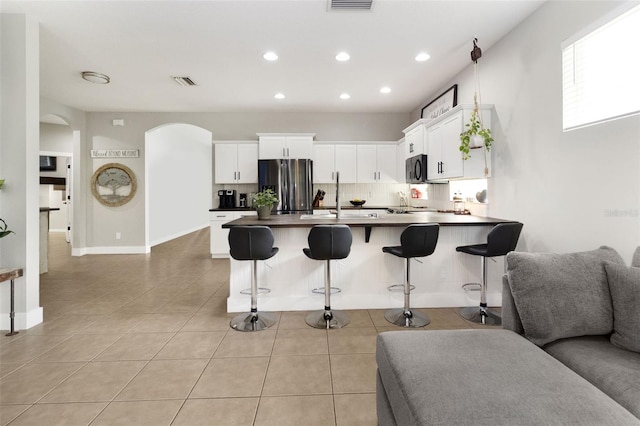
118 235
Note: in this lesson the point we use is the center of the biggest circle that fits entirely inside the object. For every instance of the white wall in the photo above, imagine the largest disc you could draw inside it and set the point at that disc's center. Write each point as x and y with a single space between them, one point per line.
103 222
19 146
178 167
567 188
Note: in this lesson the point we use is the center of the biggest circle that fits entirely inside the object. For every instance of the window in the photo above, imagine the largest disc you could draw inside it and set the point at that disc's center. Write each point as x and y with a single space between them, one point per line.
601 71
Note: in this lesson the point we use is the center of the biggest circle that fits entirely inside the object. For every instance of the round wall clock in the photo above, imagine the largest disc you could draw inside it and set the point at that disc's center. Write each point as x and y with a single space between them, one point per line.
113 184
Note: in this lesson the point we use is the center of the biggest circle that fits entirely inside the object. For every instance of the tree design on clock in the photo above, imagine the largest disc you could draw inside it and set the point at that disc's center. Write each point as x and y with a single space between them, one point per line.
113 184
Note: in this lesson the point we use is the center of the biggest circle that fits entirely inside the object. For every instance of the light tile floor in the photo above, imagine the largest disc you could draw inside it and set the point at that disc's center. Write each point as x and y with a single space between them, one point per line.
145 340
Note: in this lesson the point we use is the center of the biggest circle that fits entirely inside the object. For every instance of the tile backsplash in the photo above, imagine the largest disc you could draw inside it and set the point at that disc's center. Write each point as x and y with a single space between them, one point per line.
436 196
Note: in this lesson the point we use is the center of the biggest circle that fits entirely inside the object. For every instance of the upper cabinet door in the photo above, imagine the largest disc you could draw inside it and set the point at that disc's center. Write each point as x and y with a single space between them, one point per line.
272 147
386 159
367 170
324 163
299 147
451 157
282 147
226 159
346 162
247 163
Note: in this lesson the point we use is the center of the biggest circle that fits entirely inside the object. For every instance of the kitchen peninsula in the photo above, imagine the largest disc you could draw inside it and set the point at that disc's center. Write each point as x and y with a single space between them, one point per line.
365 275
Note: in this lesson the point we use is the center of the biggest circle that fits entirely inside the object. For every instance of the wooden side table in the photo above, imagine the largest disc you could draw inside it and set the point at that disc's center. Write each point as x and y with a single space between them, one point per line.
11 274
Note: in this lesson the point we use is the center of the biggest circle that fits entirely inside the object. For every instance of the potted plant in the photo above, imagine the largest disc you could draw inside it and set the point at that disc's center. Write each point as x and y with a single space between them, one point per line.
264 201
476 136
3 229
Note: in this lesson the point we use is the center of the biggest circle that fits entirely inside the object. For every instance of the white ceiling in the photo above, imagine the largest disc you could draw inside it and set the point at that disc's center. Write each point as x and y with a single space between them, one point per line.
219 44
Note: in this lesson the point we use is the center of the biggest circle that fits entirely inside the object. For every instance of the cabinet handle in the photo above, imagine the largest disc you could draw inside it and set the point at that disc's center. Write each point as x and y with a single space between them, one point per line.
283 153
374 175
238 175
287 152
332 173
234 176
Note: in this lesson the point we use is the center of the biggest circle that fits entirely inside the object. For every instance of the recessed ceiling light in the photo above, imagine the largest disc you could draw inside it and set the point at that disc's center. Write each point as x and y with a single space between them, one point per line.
345 96
342 57
95 77
279 96
421 57
270 56
385 89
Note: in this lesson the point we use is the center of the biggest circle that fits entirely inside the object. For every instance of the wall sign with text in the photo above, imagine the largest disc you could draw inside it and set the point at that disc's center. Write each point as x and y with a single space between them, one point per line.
441 105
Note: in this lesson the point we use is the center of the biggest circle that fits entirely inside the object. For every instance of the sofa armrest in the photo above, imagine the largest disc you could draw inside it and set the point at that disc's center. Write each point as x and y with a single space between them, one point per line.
510 318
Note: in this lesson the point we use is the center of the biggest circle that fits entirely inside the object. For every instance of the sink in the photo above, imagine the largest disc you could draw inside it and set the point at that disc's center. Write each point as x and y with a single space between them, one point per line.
318 216
343 216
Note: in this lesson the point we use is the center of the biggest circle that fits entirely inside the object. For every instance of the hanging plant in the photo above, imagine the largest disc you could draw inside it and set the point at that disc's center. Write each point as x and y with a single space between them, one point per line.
3 229
475 135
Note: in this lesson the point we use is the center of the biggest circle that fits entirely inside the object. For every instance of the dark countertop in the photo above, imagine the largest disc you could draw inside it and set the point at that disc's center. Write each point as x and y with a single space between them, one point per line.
235 209
444 219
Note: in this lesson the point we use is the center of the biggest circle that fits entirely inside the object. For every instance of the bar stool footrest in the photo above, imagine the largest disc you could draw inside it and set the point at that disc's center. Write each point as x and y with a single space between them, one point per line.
261 290
399 288
320 290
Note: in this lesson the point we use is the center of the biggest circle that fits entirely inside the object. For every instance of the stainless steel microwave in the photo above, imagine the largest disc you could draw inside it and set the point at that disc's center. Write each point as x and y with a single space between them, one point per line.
416 168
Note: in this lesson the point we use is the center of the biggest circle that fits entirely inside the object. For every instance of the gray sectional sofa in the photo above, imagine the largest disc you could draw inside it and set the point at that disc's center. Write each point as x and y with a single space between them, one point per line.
568 353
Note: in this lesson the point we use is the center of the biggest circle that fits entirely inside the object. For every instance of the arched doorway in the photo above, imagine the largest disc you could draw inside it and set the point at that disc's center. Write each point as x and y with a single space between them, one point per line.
178 181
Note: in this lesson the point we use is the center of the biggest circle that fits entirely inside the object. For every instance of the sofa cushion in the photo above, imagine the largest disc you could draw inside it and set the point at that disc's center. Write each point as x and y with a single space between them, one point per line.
624 284
562 295
636 258
484 377
613 370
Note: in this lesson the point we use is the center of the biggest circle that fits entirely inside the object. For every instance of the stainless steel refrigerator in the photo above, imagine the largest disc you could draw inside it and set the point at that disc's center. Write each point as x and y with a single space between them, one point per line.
291 181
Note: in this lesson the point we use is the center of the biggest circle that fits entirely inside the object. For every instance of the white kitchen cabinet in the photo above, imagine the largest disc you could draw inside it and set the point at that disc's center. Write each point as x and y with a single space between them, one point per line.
415 140
444 159
401 161
219 237
377 163
275 147
236 163
331 158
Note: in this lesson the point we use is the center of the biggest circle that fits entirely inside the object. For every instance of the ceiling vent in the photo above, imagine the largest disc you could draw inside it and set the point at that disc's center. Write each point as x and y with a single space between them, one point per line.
364 5
184 81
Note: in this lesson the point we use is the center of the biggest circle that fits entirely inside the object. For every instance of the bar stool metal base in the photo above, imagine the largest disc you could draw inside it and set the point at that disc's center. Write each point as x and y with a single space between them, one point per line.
409 318
327 319
481 315
253 321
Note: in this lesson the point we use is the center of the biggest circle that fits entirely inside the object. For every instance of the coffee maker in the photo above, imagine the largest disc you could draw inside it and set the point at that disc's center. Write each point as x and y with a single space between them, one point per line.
227 198
243 200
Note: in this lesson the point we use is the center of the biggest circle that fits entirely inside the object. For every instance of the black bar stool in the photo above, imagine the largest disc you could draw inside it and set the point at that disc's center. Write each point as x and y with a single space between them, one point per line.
502 239
328 242
418 240
252 243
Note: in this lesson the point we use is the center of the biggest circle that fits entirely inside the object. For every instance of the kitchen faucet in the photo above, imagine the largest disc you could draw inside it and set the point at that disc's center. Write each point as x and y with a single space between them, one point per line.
338 210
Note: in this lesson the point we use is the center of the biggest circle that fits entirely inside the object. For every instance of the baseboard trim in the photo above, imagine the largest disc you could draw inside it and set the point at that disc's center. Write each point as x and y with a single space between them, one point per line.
178 234
23 320
116 250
